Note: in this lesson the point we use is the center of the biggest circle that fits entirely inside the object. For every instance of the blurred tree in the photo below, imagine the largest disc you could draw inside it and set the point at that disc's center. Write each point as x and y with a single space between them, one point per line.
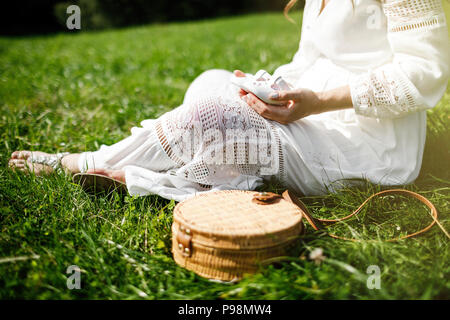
31 16
28 17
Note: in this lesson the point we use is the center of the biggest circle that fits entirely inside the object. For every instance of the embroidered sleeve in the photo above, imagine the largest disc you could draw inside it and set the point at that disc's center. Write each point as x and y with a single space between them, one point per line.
418 74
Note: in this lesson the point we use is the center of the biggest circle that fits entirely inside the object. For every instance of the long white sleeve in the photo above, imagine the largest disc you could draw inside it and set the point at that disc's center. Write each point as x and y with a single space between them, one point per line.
417 76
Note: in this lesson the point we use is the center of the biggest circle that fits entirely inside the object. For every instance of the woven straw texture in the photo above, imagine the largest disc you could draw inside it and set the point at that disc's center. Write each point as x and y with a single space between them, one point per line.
228 235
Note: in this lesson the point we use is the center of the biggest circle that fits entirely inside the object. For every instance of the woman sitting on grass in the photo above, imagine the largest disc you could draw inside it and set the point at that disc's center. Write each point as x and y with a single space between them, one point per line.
364 75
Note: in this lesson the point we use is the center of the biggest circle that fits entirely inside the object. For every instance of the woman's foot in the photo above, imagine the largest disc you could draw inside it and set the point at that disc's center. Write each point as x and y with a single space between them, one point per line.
118 175
22 160
43 163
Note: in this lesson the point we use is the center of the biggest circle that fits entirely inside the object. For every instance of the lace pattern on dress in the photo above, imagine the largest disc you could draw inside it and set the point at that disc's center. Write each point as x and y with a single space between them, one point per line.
407 15
383 93
216 139
386 92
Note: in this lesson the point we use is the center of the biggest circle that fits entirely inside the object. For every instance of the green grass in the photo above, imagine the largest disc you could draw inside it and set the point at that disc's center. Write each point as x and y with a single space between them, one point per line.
75 92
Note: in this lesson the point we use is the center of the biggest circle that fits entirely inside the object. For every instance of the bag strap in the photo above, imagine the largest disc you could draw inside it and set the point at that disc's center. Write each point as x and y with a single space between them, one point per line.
319 224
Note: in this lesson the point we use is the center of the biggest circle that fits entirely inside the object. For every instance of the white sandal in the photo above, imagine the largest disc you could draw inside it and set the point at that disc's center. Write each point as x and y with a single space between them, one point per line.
53 160
262 85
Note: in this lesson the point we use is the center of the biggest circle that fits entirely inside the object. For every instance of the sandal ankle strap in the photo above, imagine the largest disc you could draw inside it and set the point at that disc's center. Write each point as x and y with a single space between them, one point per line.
53 161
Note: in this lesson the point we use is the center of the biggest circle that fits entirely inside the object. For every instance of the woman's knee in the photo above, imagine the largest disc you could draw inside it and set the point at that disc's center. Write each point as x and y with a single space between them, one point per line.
208 82
213 74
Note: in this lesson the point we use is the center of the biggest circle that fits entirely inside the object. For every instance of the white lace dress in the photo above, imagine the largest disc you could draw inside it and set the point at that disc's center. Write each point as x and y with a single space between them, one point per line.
395 58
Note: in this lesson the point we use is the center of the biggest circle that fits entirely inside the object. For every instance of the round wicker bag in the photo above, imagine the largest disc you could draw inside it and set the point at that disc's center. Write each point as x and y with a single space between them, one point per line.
223 235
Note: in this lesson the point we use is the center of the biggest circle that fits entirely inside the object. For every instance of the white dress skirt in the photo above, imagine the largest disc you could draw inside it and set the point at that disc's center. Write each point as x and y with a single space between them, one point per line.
395 58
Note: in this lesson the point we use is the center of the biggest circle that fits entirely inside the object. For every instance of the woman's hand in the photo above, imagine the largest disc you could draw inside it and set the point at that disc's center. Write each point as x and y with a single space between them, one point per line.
297 104
300 103
239 73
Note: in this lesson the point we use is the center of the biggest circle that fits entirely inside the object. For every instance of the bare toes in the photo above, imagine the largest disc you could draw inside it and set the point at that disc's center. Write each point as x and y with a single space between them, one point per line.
17 164
25 154
22 154
12 162
15 155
